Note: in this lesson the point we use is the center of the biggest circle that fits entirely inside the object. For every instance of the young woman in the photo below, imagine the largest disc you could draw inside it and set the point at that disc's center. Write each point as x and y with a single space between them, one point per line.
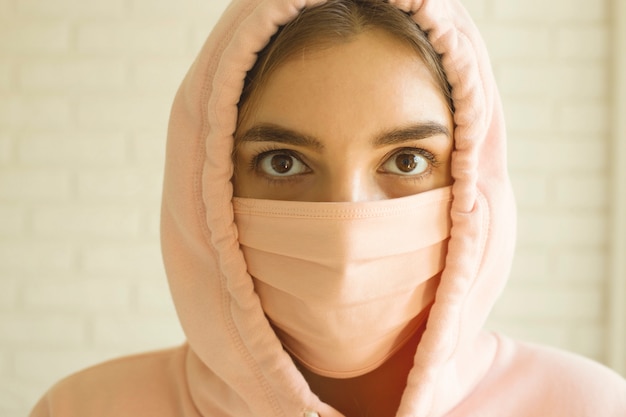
337 223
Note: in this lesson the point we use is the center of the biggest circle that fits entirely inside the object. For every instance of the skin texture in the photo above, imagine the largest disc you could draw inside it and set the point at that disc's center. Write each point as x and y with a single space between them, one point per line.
361 120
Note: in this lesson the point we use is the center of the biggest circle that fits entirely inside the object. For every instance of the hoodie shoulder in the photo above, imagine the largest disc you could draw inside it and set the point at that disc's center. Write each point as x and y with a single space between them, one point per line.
531 380
147 384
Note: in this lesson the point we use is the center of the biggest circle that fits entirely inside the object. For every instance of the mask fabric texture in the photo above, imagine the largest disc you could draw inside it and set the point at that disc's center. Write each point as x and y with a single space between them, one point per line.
343 284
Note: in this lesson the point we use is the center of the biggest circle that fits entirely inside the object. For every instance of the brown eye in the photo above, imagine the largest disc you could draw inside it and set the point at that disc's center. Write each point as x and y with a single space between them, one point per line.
281 164
406 162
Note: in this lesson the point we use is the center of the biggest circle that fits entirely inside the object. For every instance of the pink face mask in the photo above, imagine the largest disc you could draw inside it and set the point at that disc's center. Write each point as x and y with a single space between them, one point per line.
344 284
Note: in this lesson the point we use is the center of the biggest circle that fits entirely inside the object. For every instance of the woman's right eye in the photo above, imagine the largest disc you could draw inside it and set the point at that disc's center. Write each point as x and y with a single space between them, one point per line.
280 164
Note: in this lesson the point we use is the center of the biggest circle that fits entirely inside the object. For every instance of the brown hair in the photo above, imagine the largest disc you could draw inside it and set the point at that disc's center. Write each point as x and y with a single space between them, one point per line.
332 22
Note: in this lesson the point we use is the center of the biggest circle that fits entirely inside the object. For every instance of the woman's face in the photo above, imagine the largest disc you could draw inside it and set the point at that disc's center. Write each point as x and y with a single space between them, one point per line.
359 121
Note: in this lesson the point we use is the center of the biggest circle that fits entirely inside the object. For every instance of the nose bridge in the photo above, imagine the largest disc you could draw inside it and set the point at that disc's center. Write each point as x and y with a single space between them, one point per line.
347 188
351 184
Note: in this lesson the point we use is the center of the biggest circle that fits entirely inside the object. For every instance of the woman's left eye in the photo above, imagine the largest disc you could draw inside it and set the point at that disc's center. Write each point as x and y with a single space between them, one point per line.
406 162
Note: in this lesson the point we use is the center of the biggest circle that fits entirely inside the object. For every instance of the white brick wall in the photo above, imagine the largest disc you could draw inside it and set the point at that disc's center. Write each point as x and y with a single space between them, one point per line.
85 92
617 243
551 60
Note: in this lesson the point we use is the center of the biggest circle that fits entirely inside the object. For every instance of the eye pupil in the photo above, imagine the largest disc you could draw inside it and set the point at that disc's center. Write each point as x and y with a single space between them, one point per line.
281 163
406 162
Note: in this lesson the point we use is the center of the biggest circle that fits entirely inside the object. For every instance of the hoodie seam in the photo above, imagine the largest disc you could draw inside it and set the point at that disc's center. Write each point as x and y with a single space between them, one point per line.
201 212
485 230
479 69
483 379
330 213
485 224
210 88
185 380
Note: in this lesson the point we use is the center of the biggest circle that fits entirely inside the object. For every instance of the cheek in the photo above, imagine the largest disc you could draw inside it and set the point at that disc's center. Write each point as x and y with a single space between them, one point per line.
241 179
394 187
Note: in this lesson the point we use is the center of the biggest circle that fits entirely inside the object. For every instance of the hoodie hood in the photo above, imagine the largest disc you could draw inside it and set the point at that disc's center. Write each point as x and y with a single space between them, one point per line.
235 357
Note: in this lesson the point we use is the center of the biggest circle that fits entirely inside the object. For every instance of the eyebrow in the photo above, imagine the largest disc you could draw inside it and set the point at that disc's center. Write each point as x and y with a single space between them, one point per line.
273 133
415 131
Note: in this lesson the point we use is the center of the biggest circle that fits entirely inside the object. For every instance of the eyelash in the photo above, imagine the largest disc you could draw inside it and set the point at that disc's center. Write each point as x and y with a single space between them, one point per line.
431 157
253 165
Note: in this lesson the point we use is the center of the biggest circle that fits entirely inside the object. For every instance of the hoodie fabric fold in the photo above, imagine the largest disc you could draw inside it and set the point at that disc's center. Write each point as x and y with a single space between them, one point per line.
233 363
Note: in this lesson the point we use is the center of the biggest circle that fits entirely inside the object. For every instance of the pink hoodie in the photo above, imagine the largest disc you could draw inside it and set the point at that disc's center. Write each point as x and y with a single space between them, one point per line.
233 364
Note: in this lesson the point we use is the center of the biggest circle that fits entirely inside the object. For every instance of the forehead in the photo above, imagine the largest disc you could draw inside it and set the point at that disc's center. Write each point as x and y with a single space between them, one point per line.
370 83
